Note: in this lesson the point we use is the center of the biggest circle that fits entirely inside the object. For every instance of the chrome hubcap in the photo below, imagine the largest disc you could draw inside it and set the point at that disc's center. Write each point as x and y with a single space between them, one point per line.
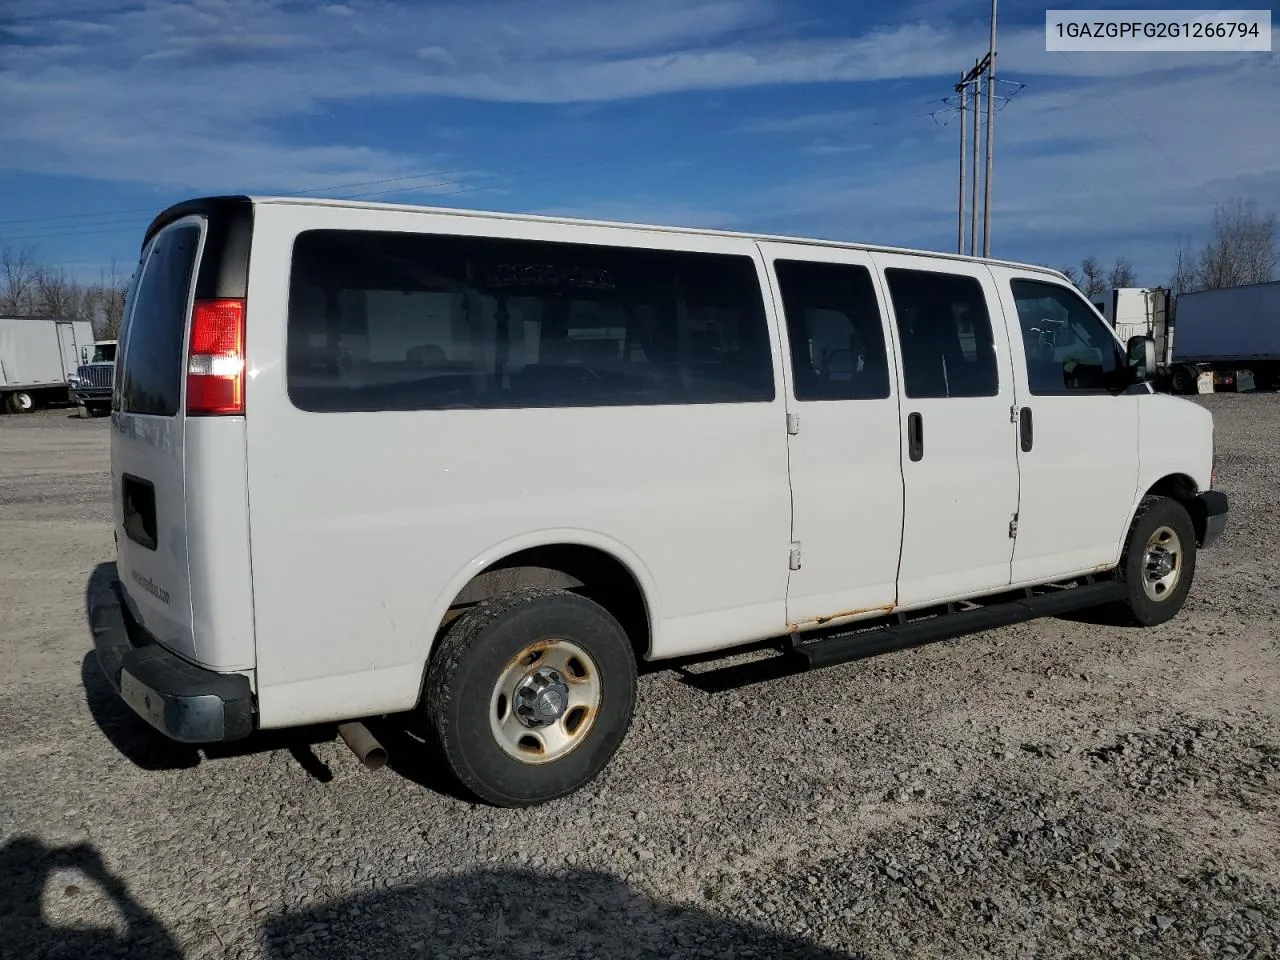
545 701
1161 563
542 698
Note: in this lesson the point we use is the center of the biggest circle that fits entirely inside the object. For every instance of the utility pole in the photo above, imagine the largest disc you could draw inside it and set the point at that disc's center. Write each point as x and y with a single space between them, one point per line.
991 134
977 114
972 78
963 90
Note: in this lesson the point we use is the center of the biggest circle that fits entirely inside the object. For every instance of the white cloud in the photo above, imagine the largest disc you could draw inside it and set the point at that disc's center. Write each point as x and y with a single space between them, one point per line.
1099 166
192 96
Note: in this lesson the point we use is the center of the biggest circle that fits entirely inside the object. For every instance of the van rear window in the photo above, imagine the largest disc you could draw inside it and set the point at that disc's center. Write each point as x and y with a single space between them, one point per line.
395 321
151 366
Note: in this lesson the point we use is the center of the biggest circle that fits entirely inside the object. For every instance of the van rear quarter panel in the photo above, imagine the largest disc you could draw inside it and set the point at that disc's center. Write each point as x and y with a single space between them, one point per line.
364 526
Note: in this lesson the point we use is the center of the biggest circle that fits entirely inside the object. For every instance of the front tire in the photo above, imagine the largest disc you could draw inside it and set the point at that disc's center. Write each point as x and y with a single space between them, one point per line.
529 696
1158 564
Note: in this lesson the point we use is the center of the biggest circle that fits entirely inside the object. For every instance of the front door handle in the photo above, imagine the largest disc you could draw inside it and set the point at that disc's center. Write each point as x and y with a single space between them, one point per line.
915 437
1025 430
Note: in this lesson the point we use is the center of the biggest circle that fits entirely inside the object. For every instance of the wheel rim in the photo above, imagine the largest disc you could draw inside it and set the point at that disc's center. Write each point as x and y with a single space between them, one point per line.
1162 563
545 701
22 402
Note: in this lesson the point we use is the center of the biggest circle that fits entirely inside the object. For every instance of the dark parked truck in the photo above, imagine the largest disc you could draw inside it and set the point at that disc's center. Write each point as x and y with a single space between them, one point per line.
94 379
1227 339
38 357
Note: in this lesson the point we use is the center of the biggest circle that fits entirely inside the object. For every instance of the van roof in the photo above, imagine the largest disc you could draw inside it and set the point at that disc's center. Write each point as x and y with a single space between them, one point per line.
575 221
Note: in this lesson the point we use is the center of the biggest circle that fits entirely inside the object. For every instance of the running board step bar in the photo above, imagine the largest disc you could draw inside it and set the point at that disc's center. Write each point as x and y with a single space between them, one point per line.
860 644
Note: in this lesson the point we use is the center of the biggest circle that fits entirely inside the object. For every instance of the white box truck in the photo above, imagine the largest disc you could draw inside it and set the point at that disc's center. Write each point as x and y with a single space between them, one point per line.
38 356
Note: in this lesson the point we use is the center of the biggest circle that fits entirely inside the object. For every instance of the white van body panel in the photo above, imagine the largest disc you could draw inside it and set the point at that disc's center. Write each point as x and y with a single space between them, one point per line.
194 590
1084 444
152 448
846 478
221 577
1175 437
963 494
386 511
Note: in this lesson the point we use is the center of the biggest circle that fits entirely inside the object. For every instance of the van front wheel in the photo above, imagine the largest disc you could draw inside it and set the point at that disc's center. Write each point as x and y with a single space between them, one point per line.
1158 564
530 695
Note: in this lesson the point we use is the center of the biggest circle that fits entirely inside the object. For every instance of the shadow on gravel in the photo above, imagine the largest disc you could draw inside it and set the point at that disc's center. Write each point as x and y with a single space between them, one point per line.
523 913
149 749
26 866
409 756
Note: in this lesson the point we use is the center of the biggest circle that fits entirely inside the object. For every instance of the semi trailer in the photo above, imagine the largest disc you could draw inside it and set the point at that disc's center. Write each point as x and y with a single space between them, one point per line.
1226 339
1230 337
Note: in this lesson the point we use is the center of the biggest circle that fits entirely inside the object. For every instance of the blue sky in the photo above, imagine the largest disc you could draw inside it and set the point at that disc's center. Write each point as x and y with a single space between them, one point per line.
807 117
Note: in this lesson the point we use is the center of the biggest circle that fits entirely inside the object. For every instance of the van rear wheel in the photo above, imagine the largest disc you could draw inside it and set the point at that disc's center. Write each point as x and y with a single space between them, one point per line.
1158 564
529 695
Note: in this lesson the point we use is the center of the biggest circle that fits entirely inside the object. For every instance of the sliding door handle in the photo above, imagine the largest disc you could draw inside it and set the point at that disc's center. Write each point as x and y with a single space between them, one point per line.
915 436
1025 430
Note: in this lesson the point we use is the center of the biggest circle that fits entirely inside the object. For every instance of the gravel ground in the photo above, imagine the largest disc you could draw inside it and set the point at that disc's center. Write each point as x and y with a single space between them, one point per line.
1054 789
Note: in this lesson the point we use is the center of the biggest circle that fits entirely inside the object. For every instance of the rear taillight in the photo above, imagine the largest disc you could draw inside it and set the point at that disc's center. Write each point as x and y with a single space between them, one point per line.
215 363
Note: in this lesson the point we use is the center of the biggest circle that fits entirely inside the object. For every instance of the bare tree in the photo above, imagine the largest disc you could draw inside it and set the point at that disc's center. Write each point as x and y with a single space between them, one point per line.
56 294
1072 274
18 269
1093 279
106 302
1184 270
1122 274
1243 249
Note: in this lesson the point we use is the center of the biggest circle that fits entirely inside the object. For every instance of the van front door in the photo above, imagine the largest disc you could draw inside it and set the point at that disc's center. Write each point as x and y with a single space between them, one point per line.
959 461
1078 454
846 475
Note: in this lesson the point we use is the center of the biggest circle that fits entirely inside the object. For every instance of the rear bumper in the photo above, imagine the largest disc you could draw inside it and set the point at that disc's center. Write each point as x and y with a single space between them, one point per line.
184 702
1214 505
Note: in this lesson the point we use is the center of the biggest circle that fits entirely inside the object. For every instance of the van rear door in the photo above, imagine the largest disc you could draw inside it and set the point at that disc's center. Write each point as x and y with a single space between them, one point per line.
147 445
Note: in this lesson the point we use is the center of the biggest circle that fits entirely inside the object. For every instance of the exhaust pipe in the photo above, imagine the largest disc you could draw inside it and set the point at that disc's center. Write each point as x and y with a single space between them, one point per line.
363 744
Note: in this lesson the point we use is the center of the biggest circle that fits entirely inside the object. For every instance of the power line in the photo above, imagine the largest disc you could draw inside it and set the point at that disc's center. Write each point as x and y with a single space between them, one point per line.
295 193
102 215
137 225
1172 163
73 13
108 219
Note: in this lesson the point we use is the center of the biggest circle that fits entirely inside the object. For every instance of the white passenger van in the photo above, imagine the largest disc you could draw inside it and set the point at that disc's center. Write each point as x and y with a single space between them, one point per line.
369 460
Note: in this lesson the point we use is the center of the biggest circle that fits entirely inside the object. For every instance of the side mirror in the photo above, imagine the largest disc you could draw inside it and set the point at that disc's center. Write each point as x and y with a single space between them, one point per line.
84 354
1142 358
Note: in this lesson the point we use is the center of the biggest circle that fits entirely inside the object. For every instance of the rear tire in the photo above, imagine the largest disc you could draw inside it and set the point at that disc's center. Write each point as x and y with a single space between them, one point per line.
529 695
1158 564
20 402
1183 380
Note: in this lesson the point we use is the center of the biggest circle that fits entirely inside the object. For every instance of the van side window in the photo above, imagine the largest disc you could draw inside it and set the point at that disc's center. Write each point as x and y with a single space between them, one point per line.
153 366
945 330
833 323
1068 348
400 321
